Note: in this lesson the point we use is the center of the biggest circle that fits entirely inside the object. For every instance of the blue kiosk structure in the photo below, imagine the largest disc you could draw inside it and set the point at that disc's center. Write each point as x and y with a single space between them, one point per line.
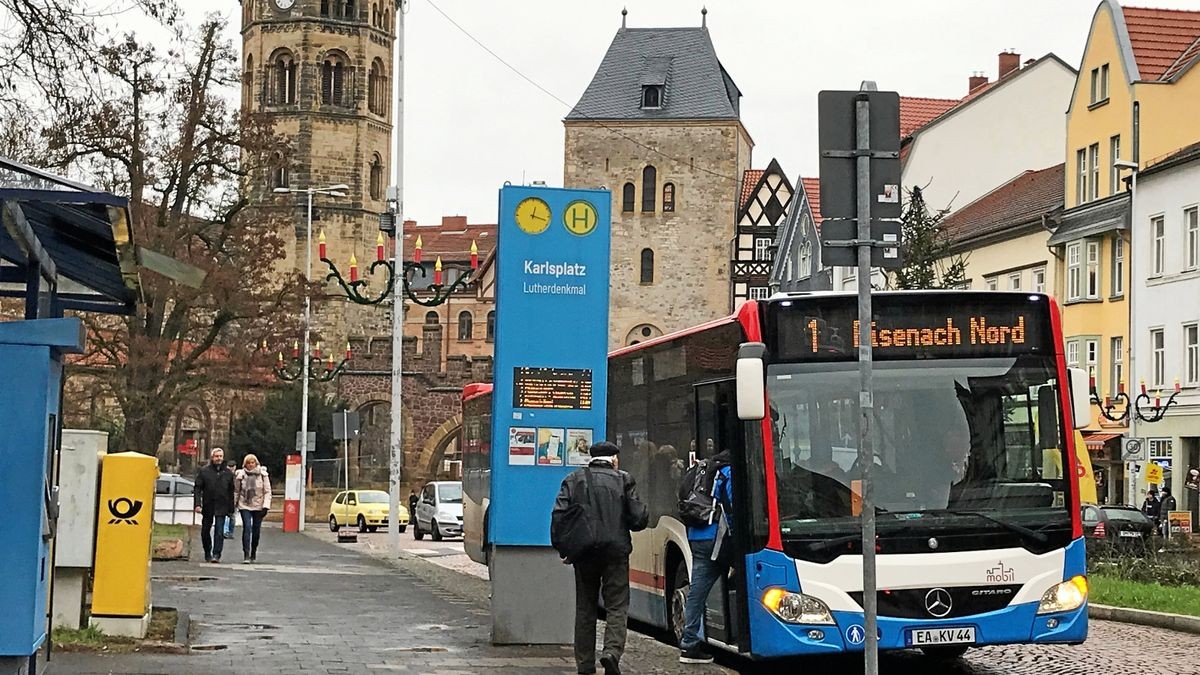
63 246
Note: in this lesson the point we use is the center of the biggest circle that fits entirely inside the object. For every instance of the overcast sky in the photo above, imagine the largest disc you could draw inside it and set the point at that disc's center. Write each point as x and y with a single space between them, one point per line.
472 123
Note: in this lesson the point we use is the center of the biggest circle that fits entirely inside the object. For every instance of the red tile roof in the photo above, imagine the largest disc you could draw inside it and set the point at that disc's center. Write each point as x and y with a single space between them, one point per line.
750 180
812 188
1022 199
916 112
1159 37
451 240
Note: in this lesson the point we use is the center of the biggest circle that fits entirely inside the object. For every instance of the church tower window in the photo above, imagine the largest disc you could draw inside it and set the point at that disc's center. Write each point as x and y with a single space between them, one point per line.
283 78
652 96
649 188
647 276
627 198
333 80
668 196
248 83
324 7
377 88
376 177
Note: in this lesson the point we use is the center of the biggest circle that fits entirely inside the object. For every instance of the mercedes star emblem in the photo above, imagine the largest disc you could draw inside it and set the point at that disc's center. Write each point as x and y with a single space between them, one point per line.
933 542
938 602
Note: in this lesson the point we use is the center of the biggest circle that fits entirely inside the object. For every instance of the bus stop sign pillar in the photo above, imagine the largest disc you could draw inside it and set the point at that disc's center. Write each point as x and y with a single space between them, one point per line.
30 406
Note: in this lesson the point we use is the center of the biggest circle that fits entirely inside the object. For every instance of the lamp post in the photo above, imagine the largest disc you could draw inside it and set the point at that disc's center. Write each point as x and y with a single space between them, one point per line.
1133 168
332 191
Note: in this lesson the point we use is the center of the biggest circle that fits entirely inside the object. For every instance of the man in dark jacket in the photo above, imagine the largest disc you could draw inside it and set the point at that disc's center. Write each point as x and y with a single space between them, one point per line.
614 506
1165 507
213 497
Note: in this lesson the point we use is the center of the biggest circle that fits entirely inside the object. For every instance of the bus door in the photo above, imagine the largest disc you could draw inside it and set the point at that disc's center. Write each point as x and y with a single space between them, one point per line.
718 428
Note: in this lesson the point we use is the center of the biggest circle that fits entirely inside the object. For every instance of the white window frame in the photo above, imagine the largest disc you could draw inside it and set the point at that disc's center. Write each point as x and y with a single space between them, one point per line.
1039 280
759 292
1014 281
1094 94
1160 448
1104 82
1191 229
1081 176
1118 266
992 283
1074 273
806 260
1191 354
1114 154
1117 361
1158 250
1094 159
1091 350
1093 270
1158 356
1073 353
762 248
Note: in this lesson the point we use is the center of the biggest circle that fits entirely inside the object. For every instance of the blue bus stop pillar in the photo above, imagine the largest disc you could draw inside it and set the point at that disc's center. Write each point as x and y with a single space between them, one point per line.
30 418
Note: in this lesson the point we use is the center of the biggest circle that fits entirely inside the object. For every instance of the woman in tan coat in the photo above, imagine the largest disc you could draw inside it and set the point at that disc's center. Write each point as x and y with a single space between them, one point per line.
252 497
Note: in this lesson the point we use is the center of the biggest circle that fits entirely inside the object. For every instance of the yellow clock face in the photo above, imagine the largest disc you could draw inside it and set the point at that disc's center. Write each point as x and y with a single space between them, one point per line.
580 218
532 215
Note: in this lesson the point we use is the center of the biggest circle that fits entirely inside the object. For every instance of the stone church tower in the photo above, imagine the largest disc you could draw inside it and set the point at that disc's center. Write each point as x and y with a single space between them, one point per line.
322 71
660 127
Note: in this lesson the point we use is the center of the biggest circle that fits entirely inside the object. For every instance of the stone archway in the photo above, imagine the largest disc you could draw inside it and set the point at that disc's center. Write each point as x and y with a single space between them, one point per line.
435 448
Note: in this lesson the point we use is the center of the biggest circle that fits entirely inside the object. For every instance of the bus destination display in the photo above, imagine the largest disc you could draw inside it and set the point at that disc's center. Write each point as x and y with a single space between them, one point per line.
552 388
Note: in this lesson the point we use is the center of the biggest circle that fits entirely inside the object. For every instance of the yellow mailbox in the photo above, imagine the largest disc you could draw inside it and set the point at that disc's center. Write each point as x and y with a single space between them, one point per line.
121 587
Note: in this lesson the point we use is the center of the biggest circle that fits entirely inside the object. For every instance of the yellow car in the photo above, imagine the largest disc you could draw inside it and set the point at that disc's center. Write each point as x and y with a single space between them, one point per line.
366 508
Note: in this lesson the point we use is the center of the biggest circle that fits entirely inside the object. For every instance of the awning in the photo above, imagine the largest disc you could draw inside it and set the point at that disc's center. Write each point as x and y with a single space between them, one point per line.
1096 440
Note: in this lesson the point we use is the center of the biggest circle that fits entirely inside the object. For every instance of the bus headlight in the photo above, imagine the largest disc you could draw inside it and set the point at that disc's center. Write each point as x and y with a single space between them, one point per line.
1064 597
796 607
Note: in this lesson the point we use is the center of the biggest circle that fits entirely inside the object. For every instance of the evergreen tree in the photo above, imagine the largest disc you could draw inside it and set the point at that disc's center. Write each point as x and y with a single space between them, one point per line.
926 249
270 431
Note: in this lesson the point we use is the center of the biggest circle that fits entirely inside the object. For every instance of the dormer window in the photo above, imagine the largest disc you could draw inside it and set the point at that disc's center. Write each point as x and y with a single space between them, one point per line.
652 95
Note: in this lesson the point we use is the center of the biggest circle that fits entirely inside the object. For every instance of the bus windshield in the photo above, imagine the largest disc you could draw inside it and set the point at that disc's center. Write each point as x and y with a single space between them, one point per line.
952 438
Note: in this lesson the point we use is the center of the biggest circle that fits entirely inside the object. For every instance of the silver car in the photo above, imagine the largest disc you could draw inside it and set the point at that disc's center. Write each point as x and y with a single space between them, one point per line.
439 511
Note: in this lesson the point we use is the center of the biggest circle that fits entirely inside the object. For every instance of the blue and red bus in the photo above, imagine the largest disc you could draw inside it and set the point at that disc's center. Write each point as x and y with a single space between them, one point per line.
977 506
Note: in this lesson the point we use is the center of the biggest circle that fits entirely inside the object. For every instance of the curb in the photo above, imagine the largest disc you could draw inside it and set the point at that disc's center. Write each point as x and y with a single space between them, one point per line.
1142 617
183 630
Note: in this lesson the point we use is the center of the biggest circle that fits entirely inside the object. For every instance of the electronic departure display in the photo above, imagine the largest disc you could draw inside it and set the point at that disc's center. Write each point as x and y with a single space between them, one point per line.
554 388
912 326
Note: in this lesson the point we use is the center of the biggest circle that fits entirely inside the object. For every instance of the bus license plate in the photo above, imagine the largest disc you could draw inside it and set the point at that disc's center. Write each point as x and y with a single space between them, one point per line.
921 637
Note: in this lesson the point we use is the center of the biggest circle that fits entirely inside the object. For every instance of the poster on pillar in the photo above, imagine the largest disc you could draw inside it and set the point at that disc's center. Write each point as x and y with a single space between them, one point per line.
551 363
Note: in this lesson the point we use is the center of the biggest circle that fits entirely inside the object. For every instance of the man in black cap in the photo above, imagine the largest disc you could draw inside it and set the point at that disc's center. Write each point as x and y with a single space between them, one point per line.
609 496
1166 505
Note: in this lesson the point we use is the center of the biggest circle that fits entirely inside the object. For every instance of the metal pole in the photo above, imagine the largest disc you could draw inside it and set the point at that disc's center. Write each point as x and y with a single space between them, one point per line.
866 456
1131 255
396 457
304 365
346 443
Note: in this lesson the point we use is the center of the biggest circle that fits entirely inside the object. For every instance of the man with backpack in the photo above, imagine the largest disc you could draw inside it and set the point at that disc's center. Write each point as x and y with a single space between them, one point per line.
596 509
705 502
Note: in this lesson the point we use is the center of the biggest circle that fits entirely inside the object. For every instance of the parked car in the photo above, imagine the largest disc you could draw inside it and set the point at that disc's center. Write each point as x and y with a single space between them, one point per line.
1121 526
366 508
173 500
439 510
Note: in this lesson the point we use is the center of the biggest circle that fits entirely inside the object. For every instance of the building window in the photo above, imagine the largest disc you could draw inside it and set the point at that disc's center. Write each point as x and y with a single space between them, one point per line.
280 172
1118 266
1114 154
333 80
1039 280
1191 354
324 7
805 260
762 248
465 328
348 9
376 181
431 318
1073 271
1191 225
649 188
1073 353
1104 82
248 83
1014 281
992 283
1117 345
1160 448
1094 184
1158 230
1158 357
490 335
377 88
1081 172
1093 270
647 266
652 95
759 292
1092 352
668 197
627 198
283 79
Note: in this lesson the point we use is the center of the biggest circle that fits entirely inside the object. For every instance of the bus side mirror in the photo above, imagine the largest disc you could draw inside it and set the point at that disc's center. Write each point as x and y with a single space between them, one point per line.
751 381
1081 405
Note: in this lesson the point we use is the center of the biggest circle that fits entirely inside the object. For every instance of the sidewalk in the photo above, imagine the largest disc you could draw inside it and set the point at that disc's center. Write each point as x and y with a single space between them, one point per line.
310 606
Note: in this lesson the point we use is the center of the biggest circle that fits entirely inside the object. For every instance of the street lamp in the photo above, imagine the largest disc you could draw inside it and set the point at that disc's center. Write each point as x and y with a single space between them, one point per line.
338 190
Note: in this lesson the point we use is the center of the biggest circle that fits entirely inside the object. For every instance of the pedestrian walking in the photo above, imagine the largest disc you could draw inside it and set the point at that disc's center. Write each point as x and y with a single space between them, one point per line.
1165 507
412 506
231 521
712 553
252 492
213 499
1151 507
596 509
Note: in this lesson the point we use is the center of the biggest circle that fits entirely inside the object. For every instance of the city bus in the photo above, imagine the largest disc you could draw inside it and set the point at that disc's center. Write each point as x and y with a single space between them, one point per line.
979 538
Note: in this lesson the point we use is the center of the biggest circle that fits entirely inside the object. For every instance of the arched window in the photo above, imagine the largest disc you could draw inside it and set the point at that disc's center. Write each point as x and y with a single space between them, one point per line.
348 9
627 198
375 20
465 328
333 79
647 266
649 188
248 83
431 318
387 18
283 78
377 88
668 197
491 326
642 333
377 177
280 172
324 7
805 259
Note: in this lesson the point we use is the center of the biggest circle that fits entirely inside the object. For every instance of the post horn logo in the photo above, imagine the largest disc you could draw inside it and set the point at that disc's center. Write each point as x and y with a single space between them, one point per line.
123 510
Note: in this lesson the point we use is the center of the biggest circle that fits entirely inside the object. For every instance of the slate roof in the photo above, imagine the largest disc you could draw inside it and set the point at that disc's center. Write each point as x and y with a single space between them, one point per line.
1020 201
916 112
1164 41
697 85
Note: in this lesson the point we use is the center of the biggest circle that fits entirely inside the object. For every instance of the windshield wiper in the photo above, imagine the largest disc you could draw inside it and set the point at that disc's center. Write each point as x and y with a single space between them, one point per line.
819 546
1008 525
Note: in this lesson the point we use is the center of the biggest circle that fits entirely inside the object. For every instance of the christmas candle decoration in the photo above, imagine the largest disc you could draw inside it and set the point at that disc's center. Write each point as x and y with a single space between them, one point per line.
379 246
353 268
417 250
321 245
437 272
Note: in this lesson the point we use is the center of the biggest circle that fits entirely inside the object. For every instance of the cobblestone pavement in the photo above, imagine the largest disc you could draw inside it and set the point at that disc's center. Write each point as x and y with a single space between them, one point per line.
311 606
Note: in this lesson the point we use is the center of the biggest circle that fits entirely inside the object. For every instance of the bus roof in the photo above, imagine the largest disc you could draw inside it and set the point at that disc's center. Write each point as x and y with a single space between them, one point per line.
475 390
